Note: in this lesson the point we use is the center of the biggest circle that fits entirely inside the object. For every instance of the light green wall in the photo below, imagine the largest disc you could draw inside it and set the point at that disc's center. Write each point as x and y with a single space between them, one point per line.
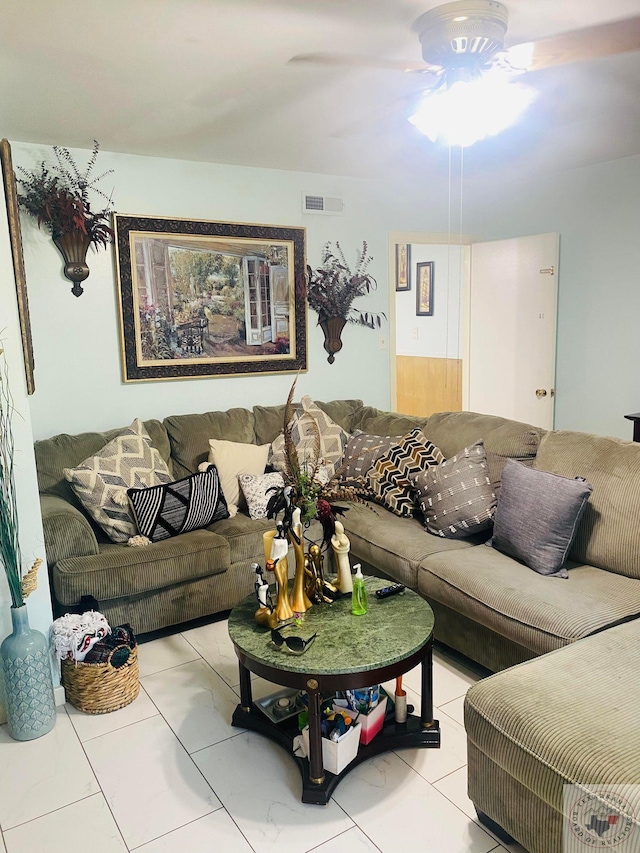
596 210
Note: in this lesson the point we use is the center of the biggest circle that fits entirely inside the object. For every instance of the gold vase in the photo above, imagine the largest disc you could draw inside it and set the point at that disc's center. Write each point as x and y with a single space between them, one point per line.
298 598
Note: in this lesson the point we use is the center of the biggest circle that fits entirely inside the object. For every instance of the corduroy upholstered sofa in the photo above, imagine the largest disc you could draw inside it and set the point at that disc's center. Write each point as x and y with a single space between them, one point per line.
531 728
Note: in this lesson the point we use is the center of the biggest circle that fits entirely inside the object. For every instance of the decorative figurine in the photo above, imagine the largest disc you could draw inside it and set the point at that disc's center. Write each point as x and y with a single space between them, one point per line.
299 600
341 547
265 614
276 547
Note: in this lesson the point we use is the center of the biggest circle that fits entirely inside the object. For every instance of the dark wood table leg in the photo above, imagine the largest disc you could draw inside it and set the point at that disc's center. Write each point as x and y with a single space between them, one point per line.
316 770
246 700
426 701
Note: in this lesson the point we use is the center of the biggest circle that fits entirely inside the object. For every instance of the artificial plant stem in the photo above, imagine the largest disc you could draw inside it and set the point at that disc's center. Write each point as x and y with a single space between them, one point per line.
9 543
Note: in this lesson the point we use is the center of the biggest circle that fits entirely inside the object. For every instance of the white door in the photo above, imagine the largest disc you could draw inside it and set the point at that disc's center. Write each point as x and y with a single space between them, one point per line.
512 326
257 301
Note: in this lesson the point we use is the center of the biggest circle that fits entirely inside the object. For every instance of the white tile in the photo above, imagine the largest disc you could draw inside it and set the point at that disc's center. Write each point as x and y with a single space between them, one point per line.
151 785
3 849
454 787
67 830
454 709
88 726
353 840
164 653
260 786
213 644
41 775
384 796
196 703
214 832
433 764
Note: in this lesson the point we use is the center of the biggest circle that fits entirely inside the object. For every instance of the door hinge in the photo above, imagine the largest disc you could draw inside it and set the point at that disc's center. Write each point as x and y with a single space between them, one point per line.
549 271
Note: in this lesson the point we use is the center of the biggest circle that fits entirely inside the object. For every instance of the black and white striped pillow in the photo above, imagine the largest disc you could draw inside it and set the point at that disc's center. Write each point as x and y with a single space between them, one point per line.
188 504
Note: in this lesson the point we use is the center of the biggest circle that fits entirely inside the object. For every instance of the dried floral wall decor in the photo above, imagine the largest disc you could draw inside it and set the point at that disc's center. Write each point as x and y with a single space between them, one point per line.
59 197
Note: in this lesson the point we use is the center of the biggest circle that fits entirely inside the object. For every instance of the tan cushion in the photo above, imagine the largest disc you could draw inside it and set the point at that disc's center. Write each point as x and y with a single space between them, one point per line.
503 438
608 532
190 434
232 459
102 480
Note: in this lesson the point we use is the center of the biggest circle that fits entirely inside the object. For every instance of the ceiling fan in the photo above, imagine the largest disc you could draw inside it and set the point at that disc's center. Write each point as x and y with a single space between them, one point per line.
464 39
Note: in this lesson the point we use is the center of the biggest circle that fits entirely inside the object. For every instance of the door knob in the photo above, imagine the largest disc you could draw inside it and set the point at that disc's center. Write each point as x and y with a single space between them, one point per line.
541 392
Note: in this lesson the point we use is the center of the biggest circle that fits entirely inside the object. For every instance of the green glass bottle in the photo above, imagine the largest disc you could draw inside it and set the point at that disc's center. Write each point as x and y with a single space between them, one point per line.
359 594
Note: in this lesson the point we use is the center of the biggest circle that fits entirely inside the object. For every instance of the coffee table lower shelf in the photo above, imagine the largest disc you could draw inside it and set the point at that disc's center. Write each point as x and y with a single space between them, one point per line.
393 736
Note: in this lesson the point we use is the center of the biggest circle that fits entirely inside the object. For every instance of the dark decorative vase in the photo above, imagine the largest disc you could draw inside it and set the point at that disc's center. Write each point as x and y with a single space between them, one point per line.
332 329
73 246
24 655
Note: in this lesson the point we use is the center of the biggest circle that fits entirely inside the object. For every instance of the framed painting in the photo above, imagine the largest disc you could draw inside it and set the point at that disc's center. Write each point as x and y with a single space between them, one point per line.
201 298
15 237
403 266
424 289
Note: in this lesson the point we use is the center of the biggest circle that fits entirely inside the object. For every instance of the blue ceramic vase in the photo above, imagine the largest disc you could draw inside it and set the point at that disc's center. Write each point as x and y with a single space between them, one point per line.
28 687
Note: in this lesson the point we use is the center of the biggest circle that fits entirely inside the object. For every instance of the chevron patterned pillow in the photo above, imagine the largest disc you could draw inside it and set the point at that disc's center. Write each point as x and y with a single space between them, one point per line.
188 504
390 478
101 481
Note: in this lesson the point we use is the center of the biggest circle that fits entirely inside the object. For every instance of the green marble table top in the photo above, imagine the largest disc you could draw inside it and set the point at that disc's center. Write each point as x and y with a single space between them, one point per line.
392 630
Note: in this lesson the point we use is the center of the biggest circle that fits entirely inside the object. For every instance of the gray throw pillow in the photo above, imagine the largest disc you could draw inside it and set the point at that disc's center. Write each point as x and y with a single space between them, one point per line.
537 517
361 452
456 497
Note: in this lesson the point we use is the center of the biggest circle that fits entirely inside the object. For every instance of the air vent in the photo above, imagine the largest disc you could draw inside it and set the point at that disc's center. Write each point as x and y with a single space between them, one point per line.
328 205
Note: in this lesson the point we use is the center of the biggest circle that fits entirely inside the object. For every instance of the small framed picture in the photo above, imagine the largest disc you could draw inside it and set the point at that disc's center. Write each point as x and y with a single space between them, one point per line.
424 289
403 266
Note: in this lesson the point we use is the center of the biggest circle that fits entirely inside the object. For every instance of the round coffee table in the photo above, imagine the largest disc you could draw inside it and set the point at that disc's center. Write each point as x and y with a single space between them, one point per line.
349 652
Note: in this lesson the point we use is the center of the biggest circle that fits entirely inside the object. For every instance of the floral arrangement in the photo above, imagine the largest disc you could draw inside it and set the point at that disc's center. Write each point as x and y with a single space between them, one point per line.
333 287
58 197
10 557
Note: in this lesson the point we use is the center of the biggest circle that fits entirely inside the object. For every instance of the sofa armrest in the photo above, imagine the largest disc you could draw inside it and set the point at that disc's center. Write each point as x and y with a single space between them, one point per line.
67 532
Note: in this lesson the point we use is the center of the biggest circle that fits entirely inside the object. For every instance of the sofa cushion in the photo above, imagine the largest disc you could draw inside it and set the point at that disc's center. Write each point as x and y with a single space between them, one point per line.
102 480
120 571
503 438
190 503
377 422
397 546
269 420
607 535
537 613
257 490
391 477
232 459
189 435
537 517
456 497
55 454
568 717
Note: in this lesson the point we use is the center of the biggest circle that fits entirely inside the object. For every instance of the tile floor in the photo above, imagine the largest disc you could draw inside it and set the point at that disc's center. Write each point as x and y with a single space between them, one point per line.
168 774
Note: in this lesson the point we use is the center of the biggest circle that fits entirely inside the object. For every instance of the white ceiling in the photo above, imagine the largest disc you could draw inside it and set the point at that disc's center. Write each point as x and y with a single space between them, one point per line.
209 80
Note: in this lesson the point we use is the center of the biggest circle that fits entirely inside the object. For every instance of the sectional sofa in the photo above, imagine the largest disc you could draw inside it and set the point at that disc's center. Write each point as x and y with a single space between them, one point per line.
532 728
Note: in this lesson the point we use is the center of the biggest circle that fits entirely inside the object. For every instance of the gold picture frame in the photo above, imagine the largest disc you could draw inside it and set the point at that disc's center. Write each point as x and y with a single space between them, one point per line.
15 237
201 299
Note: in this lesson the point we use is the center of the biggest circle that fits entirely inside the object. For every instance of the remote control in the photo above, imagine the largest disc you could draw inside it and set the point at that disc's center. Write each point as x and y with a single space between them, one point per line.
386 591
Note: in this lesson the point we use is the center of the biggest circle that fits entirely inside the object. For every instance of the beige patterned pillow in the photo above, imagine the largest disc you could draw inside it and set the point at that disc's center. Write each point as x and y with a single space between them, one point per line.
390 478
254 489
332 438
128 461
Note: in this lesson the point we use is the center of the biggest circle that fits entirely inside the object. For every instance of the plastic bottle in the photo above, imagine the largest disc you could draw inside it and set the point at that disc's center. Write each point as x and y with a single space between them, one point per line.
359 594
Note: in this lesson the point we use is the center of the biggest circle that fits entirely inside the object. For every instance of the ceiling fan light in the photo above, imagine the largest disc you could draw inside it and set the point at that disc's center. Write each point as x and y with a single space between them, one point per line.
469 111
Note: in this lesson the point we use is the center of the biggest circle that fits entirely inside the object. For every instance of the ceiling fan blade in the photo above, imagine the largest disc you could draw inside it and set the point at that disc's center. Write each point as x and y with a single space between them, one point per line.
357 61
576 45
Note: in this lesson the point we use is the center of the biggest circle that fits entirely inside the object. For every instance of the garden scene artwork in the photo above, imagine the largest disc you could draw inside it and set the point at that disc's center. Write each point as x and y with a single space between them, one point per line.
208 298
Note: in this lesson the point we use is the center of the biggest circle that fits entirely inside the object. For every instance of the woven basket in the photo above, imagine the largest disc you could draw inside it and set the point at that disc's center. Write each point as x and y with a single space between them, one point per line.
97 688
